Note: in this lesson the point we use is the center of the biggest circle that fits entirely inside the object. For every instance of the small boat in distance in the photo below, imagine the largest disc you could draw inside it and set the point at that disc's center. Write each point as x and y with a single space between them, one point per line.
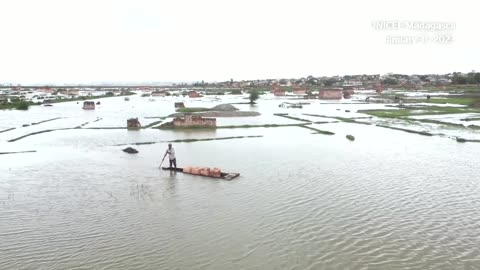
204 172
88 105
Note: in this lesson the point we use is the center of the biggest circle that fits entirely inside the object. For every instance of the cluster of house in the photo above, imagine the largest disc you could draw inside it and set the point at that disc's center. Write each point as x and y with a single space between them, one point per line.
324 93
44 94
356 81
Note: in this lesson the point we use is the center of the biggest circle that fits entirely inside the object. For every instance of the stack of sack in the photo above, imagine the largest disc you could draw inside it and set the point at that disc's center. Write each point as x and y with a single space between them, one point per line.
215 172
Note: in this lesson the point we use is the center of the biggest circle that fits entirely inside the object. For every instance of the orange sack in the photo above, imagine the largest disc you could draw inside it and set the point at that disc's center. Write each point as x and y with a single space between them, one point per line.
205 171
187 170
195 170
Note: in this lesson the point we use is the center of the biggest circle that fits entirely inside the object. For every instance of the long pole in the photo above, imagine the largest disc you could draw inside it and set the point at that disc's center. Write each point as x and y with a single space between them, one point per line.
162 162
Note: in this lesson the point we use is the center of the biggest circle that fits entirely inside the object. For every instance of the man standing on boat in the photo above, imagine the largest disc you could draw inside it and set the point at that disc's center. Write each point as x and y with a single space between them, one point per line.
171 156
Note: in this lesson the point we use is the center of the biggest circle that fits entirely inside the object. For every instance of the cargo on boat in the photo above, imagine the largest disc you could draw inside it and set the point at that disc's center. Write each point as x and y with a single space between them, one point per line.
203 171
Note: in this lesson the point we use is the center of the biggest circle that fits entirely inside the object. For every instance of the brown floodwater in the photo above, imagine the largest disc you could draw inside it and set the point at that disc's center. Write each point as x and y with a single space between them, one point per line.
388 200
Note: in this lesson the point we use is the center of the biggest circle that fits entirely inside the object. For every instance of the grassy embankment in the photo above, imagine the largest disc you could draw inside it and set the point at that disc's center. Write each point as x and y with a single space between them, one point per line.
192 110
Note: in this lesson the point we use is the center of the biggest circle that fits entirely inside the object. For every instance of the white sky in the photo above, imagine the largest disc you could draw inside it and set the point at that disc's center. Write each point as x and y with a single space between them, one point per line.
81 41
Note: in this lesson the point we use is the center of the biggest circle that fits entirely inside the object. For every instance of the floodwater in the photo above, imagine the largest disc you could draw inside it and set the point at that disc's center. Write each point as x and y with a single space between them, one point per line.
388 200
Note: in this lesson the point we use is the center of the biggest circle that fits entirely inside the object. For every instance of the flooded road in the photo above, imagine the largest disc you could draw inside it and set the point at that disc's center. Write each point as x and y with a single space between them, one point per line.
388 200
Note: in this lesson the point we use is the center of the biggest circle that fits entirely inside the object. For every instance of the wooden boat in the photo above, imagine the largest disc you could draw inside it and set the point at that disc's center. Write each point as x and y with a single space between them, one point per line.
225 176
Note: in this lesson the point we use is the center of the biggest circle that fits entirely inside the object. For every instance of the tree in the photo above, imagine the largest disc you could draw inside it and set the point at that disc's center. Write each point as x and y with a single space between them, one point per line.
389 81
329 82
477 77
253 97
22 105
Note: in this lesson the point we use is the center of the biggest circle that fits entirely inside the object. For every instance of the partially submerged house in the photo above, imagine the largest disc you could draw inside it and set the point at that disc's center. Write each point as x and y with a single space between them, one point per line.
133 124
194 94
299 90
88 105
179 105
159 93
348 92
191 120
279 93
332 93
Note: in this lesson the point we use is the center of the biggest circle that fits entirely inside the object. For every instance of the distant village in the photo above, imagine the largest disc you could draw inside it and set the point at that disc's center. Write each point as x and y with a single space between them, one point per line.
359 81
302 86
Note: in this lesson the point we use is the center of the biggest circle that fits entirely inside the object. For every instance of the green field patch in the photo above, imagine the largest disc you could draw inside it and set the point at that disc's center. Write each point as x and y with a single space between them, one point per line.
192 110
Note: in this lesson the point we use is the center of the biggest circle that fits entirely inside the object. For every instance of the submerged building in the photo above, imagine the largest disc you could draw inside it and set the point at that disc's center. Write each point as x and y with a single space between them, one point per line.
332 93
133 124
194 121
88 105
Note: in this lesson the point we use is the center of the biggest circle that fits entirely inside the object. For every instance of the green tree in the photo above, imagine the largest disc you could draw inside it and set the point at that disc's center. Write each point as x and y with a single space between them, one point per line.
22 105
389 81
329 82
253 97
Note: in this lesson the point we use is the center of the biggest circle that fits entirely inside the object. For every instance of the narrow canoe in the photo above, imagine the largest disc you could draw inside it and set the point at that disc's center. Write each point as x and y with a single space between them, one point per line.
225 176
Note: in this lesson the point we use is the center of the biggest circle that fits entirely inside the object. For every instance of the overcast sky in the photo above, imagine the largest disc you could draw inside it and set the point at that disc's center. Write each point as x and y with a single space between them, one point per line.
61 41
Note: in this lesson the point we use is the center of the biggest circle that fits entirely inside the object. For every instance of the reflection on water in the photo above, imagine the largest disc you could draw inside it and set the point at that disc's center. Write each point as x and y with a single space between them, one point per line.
388 200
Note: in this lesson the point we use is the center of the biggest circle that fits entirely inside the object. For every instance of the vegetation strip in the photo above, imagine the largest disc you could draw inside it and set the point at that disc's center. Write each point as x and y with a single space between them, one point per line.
38 132
44 121
319 131
156 117
459 101
192 109
193 140
461 140
343 119
5 130
471 119
407 111
291 117
407 130
19 152
437 122
153 124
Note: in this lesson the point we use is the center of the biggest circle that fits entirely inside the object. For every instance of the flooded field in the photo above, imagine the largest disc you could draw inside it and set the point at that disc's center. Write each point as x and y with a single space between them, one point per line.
403 195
